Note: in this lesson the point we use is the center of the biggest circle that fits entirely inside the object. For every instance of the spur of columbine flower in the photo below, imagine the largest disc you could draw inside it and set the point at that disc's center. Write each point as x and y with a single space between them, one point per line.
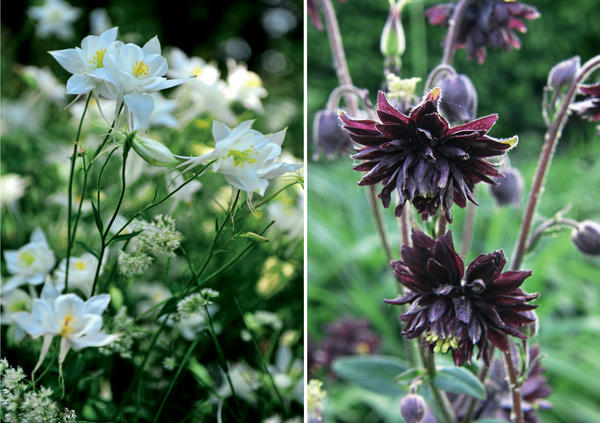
30 263
485 23
245 157
428 163
590 107
78 323
454 309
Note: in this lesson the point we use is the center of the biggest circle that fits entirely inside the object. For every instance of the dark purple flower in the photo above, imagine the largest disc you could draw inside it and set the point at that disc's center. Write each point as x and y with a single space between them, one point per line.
329 137
412 408
346 336
590 107
587 237
508 188
457 309
459 100
485 23
428 163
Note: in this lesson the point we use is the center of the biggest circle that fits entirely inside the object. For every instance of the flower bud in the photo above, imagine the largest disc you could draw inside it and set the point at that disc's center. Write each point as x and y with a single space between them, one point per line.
563 73
459 98
153 152
328 136
412 408
509 187
587 237
392 42
530 329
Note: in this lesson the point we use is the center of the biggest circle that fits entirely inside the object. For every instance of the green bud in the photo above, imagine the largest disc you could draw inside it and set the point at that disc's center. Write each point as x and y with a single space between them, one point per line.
392 38
153 152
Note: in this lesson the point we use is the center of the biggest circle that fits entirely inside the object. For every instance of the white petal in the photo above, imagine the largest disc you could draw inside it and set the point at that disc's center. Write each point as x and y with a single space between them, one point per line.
277 137
220 130
45 347
80 84
69 59
13 283
168 83
152 46
68 304
28 323
65 346
97 339
97 304
141 105
38 236
278 169
110 35
90 323
42 311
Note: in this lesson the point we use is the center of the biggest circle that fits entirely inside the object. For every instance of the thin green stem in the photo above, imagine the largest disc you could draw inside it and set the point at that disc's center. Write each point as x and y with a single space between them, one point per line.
70 193
78 215
440 397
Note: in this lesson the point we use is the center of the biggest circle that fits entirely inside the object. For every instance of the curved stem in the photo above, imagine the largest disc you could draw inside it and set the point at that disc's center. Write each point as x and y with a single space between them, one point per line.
452 34
547 225
335 96
70 195
440 71
551 140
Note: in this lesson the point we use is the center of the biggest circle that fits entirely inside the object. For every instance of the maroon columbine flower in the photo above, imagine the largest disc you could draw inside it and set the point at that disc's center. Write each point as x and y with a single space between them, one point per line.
428 163
457 310
485 23
590 107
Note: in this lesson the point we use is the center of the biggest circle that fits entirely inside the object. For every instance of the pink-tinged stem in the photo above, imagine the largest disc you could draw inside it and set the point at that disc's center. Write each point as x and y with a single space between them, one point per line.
515 389
452 34
551 140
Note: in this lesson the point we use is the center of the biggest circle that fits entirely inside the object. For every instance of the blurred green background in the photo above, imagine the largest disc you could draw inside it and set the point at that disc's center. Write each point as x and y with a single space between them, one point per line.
347 272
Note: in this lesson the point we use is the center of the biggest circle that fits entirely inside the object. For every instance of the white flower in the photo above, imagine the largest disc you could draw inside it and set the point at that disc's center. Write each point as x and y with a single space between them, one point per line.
162 113
81 62
13 302
77 322
174 181
206 92
46 83
99 21
54 17
30 263
12 187
136 72
245 86
81 272
246 157
289 218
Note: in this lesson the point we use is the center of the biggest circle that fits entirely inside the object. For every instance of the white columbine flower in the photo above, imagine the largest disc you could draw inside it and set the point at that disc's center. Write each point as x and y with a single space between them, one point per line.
45 83
245 86
246 157
81 272
162 113
54 17
288 217
83 61
12 187
30 263
15 301
77 322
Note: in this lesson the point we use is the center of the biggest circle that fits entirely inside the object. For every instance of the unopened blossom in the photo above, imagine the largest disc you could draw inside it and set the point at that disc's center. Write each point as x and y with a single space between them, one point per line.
245 86
12 188
459 99
422 158
30 263
83 61
153 152
456 309
412 408
329 137
245 157
54 17
509 188
485 23
586 237
78 323
82 271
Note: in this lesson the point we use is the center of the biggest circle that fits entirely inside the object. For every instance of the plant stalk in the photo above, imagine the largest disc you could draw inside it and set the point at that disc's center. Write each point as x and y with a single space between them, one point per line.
515 389
452 34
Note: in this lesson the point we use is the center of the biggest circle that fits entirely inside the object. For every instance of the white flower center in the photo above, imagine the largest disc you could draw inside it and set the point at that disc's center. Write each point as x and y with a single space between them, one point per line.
80 265
197 70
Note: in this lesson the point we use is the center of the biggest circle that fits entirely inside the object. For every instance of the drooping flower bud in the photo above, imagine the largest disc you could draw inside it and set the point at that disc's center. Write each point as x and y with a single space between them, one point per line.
412 408
459 98
153 152
509 188
392 42
587 237
562 74
329 137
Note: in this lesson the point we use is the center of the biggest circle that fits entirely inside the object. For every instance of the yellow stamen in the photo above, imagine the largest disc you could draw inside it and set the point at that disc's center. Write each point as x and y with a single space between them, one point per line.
79 265
98 58
240 158
253 80
26 258
442 344
362 348
139 69
66 327
197 71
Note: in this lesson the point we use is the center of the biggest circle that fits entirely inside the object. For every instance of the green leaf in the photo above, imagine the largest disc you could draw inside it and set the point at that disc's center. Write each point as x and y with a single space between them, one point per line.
459 381
97 218
86 248
124 237
409 375
375 373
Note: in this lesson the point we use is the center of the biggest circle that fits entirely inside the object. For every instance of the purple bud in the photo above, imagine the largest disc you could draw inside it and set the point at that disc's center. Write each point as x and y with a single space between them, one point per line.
459 98
412 408
509 187
587 237
563 73
328 136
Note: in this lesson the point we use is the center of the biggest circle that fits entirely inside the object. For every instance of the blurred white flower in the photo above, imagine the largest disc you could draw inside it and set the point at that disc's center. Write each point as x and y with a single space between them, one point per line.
12 187
99 21
245 157
81 272
30 263
205 93
288 216
78 323
174 180
24 113
82 62
13 302
245 379
54 17
151 294
45 82
245 86
162 113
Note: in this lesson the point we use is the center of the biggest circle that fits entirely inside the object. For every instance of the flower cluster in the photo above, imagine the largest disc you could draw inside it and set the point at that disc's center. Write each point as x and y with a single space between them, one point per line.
485 23
126 73
195 303
457 309
428 163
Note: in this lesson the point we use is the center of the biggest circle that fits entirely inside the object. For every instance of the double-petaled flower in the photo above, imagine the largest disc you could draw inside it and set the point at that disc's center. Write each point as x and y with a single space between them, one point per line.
456 309
420 156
